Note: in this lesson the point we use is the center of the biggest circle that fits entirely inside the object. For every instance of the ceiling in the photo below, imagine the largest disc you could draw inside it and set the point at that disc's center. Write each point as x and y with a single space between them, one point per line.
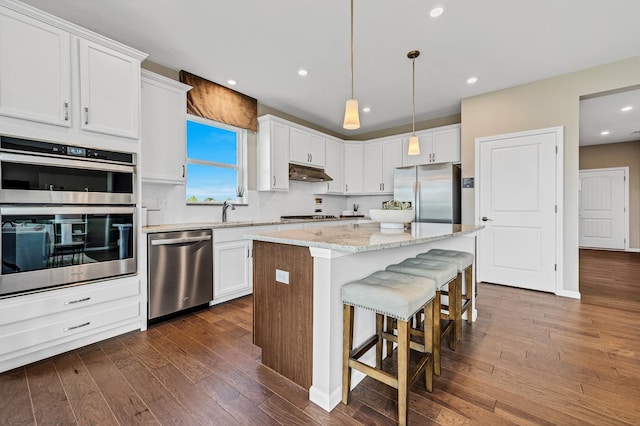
604 114
262 44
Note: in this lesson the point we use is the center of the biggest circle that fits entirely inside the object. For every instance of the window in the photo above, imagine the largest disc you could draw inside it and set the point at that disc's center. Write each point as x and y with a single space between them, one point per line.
215 161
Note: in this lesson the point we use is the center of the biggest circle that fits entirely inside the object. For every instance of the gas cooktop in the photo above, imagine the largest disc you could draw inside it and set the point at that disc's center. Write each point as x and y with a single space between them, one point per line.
308 217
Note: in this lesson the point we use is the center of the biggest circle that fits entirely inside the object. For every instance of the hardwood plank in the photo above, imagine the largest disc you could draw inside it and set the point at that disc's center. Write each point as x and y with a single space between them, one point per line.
124 401
335 418
85 398
15 403
204 408
243 410
285 412
50 403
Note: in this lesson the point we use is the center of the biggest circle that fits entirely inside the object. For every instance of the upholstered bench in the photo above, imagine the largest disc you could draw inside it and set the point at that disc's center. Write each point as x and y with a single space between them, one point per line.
464 263
444 276
398 296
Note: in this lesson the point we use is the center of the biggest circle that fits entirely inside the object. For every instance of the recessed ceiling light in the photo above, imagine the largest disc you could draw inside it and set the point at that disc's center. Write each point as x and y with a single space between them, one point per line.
472 80
232 82
627 108
605 132
366 109
437 11
302 72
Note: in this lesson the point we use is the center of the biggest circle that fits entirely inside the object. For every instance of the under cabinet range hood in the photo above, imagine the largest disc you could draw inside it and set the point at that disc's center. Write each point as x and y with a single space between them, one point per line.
307 174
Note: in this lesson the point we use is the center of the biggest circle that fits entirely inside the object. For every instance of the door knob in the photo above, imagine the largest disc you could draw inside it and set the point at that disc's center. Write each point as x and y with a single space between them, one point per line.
484 219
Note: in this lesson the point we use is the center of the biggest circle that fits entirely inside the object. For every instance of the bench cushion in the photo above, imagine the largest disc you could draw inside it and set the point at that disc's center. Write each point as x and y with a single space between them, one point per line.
461 259
390 293
440 272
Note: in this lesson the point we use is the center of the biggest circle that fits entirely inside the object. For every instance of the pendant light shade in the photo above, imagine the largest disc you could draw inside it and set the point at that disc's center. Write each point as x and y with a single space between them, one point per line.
351 113
414 143
414 146
351 116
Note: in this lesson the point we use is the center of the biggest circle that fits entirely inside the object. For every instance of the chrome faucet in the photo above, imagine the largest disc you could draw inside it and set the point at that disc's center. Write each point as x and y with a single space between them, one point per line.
225 206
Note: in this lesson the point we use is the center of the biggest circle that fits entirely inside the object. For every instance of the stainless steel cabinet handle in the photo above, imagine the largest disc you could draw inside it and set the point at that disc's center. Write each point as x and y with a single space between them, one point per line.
383 186
183 170
311 158
86 115
66 110
274 181
170 241
346 188
434 157
484 219
77 326
77 301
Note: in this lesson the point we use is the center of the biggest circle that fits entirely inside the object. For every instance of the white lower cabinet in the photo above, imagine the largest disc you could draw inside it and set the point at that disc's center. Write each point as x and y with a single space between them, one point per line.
40 325
233 262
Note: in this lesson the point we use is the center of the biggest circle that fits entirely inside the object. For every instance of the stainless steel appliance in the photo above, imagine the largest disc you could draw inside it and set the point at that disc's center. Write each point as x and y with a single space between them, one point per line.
432 189
180 268
38 172
68 215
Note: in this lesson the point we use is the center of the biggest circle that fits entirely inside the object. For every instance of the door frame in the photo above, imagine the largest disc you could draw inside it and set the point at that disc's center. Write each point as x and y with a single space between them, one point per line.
625 169
559 198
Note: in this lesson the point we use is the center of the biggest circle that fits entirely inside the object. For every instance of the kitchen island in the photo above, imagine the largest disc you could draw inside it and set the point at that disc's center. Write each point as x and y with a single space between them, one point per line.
297 279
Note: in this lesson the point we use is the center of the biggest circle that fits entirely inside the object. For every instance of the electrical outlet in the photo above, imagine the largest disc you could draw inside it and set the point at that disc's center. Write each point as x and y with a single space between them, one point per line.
282 276
163 203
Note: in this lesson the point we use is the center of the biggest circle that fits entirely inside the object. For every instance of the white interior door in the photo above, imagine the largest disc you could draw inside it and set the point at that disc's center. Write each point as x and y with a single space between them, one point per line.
517 204
603 208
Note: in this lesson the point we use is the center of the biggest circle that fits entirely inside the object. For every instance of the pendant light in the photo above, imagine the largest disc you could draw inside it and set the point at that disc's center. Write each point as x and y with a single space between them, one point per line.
414 144
351 114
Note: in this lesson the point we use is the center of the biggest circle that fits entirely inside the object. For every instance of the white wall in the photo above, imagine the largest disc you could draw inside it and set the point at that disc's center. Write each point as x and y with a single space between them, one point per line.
262 205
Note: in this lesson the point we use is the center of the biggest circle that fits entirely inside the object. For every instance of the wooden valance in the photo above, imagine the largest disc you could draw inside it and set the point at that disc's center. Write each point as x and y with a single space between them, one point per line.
215 102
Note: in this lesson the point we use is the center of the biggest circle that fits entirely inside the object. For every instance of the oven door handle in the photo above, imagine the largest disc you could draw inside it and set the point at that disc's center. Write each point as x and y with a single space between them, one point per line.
76 163
66 210
172 241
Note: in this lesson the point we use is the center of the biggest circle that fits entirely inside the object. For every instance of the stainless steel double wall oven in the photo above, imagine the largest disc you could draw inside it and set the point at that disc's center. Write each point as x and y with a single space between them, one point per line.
68 215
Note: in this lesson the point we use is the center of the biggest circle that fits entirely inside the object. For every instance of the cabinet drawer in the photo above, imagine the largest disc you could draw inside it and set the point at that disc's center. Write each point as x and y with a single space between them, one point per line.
68 326
27 307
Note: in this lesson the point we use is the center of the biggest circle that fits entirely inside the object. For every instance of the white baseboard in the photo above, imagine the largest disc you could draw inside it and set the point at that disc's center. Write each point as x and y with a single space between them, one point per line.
568 293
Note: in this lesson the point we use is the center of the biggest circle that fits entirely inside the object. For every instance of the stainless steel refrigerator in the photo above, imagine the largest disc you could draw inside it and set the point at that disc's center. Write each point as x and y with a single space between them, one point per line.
432 189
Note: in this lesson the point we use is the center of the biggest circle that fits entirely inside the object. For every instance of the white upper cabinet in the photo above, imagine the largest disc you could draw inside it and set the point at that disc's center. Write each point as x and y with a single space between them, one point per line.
335 166
353 169
439 145
306 148
380 158
163 135
63 83
35 70
273 155
109 91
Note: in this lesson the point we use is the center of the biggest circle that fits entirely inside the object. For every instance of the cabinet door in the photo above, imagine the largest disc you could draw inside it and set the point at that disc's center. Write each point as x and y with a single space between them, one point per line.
426 146
279 157
446 146
299 146
335 166
231 268
109 91
372 154
35 70
317 149
163 133
391 158
353 172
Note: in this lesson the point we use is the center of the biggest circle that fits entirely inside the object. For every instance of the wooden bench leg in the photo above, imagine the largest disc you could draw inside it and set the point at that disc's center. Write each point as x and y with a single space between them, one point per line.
347 345
469 291
390 331
379 344
403 371
457 306
429 346
436 333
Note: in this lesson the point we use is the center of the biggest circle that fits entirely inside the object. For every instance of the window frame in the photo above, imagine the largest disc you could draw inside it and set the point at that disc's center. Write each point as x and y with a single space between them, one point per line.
241 160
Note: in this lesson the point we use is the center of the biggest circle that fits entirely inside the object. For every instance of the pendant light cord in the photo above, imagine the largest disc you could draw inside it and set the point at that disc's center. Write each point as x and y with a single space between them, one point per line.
352 49
413 89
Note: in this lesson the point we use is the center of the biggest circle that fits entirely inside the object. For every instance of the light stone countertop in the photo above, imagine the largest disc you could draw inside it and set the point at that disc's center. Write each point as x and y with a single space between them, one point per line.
365 236
232 224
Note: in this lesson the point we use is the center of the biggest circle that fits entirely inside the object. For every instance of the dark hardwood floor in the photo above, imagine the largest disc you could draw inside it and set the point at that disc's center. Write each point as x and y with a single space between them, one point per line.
531 358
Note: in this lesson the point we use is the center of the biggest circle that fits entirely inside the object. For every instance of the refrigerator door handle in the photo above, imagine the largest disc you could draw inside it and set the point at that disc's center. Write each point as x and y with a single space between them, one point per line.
416 207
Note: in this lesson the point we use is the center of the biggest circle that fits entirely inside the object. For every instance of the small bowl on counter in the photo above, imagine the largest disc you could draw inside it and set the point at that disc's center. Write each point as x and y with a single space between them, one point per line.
392 219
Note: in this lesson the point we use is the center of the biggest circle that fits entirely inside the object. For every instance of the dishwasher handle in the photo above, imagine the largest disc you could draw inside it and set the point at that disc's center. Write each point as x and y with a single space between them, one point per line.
171 241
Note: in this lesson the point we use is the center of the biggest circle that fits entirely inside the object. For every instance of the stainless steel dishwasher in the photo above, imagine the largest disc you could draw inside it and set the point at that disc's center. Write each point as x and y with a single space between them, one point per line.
180 266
